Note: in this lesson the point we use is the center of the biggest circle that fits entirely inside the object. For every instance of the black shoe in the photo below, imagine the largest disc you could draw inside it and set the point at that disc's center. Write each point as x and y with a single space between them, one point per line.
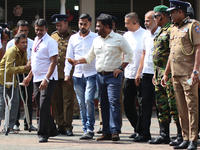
69 133
87 135
32 128
192 145
178 141
133 135
76 117
183 145
43 139
159 140
141 138
174 137
61 132
100 131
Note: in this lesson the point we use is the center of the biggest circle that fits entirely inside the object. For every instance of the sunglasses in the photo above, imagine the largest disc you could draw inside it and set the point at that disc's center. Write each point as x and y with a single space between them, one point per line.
155 16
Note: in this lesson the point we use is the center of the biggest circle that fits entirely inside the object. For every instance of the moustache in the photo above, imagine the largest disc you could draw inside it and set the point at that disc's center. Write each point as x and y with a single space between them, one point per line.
39 34
24 46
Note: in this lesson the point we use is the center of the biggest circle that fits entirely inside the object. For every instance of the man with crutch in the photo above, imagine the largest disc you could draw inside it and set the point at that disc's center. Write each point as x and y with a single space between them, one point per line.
15 55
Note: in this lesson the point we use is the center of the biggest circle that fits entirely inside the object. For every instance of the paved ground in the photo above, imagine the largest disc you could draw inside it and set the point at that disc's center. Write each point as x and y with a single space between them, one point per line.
28 140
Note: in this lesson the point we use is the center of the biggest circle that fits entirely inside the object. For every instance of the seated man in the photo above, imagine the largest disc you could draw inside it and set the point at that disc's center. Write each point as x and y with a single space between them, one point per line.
18 55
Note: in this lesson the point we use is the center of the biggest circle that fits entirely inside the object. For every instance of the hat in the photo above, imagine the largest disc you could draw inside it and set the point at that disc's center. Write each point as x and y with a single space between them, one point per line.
114 19
174 4
160 8
59 17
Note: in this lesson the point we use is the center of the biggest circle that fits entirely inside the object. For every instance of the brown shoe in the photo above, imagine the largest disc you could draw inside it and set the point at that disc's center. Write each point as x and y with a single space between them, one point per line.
104 137
115 136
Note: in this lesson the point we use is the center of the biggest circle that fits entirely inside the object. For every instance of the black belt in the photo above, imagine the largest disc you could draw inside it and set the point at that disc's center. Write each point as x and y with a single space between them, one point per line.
105 73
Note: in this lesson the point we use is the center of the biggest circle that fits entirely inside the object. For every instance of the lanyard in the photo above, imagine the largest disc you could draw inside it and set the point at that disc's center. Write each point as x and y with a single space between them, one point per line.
36 48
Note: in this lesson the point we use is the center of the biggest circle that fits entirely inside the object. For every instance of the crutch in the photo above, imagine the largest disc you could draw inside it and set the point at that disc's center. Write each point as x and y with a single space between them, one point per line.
24 101
8 101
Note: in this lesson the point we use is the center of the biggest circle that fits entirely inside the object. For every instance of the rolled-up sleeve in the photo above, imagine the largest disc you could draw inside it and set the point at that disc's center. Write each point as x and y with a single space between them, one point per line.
127 51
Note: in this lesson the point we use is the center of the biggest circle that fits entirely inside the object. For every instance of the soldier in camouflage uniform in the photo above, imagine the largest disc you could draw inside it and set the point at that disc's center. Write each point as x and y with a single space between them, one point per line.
64 95
165 98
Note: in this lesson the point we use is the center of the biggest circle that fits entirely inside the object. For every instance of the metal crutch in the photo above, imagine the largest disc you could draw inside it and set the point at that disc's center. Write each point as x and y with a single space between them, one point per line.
24 101
8 101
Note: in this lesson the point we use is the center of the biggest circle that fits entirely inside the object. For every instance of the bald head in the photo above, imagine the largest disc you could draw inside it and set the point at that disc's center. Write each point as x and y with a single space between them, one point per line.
133 16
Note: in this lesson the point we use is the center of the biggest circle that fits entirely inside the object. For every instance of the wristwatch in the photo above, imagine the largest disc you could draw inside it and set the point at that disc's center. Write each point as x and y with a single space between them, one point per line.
195 72
121 68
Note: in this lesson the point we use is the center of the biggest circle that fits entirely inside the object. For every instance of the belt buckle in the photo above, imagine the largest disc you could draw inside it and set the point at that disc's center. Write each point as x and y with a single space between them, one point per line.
103 72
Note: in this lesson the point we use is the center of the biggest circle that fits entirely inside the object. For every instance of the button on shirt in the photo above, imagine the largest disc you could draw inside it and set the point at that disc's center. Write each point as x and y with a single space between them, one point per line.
109 52
40 59
135 41
11 43
79 46
148 46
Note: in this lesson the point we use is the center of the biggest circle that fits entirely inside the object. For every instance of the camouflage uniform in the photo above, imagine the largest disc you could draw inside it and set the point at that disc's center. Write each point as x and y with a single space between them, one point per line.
165 98
64 95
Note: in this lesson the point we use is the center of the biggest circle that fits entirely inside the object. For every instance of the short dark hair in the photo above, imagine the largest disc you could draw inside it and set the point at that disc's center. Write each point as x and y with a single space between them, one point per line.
22 23
184 11
18 36
41 22
105 20
86 16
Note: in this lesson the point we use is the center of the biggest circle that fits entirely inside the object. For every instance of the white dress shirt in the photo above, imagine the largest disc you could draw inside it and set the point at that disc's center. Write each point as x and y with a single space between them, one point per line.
77 47
148 46
42 50
109 52
135 41
11 43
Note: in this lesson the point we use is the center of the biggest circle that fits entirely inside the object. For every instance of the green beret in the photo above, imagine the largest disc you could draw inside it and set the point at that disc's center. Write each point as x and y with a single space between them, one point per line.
160 8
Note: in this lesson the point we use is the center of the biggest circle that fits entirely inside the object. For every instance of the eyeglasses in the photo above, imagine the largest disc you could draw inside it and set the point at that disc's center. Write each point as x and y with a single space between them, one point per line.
155 16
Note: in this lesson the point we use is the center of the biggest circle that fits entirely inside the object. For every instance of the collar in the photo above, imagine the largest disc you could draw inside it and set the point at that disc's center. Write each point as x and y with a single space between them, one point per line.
184 21
166 26
111 34
157 30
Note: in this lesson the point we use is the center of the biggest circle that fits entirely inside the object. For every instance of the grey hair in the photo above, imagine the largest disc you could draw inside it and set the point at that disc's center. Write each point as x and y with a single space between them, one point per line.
18 36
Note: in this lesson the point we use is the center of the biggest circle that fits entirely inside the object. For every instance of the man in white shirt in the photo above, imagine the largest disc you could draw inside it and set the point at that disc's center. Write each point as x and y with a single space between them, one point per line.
108 49
22 27
130 90
84 76
146 67
45 76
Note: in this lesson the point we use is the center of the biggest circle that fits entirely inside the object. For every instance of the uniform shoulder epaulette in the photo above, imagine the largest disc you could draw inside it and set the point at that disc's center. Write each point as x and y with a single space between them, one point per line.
54 32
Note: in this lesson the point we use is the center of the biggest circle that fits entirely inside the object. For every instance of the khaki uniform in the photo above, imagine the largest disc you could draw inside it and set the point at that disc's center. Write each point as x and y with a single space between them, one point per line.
64 95
182 63
121 93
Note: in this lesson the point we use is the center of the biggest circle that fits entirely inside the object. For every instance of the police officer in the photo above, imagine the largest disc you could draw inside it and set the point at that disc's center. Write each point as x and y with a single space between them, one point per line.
184 63
165 98
64 95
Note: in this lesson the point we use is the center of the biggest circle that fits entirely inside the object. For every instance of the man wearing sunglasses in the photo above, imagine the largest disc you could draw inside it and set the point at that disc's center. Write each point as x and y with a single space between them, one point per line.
165 98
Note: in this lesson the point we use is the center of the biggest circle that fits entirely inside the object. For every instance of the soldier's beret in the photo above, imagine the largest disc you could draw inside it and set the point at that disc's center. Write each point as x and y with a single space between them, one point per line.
177 4
59 17
160 8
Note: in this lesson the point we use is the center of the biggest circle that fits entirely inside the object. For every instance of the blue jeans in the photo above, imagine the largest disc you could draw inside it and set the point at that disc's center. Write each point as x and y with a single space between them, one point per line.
109 93
85 89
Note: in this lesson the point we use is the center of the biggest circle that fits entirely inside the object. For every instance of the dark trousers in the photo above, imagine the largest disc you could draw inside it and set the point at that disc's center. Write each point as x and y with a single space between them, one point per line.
109 94
131 92
148 95
29 101
46 125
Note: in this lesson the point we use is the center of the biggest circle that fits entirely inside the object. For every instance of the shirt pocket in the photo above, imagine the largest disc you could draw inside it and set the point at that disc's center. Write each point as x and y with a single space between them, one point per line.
185 41
98 49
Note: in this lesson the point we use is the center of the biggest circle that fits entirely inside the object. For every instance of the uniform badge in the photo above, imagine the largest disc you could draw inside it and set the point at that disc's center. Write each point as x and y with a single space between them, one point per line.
184 30
197 29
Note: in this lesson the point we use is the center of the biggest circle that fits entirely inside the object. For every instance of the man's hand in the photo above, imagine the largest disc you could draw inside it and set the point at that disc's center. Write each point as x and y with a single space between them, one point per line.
137 79
195 78
116 72
153 80
73 62
28 65
164 81
67 79
26 81
43 85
